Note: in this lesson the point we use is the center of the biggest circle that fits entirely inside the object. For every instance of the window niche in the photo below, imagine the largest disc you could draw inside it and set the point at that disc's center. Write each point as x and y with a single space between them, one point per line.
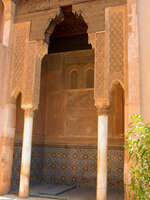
74 80
90 78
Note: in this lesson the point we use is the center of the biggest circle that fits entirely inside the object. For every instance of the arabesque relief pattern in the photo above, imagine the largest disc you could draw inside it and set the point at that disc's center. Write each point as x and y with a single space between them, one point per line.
26 66
116 42
21 35
32 74
116 31
110 54
99 78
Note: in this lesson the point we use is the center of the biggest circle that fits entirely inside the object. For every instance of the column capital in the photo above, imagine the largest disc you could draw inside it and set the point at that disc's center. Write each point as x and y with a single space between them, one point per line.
103 110
29 112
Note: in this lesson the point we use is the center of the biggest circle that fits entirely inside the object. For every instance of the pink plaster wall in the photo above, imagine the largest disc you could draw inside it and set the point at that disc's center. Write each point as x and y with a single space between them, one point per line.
144 39
1 19
3 82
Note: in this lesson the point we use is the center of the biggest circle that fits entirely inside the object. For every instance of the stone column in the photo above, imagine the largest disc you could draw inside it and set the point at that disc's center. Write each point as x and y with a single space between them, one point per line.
102 154
26 153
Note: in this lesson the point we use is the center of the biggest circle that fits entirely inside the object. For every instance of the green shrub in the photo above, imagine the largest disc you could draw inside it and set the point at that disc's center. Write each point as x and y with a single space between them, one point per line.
138 145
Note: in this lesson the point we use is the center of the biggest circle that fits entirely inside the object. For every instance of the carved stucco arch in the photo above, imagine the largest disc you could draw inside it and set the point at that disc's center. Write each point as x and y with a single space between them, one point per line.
14 94
116 82
51 24
89 67
56 19
68 73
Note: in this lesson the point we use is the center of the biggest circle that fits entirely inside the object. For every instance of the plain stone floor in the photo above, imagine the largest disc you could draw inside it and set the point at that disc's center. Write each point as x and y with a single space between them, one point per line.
75 194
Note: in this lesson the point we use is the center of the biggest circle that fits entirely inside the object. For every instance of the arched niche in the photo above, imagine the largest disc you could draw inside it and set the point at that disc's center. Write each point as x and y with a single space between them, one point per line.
116 119
90 78
1 20
74 79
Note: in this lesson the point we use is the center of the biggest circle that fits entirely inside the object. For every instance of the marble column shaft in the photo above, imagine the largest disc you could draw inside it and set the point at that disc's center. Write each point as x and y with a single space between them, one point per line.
26 154
102 157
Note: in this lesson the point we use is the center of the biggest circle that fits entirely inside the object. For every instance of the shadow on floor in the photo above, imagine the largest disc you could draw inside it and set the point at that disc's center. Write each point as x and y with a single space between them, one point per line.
82 193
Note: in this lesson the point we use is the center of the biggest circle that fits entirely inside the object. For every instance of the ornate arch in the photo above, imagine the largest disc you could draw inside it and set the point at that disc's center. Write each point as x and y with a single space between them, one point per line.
15 93
52 24
116 82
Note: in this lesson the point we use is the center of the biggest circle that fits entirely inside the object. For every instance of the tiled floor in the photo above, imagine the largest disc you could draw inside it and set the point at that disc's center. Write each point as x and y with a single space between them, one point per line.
75 194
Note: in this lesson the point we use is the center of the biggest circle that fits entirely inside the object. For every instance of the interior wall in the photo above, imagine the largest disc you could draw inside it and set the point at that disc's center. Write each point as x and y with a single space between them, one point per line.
70 113
144 42
1 20
65 115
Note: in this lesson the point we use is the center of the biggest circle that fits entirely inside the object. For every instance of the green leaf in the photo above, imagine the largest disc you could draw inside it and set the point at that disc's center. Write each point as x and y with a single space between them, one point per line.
138 146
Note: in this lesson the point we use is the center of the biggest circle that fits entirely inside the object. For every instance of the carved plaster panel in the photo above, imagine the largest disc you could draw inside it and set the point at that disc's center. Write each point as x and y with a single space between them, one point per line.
116 38
34 54
21 35
24 7
26 66
41 22
110 54
101 78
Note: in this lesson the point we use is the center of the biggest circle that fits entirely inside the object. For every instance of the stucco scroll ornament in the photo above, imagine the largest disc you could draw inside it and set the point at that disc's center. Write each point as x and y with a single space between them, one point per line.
42 49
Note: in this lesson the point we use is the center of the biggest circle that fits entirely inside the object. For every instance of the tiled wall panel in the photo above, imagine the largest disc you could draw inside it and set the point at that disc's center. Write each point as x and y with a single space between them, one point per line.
69 166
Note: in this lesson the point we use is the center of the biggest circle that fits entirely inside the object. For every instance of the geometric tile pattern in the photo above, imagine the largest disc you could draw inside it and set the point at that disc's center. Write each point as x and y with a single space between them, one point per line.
16 168
69 166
